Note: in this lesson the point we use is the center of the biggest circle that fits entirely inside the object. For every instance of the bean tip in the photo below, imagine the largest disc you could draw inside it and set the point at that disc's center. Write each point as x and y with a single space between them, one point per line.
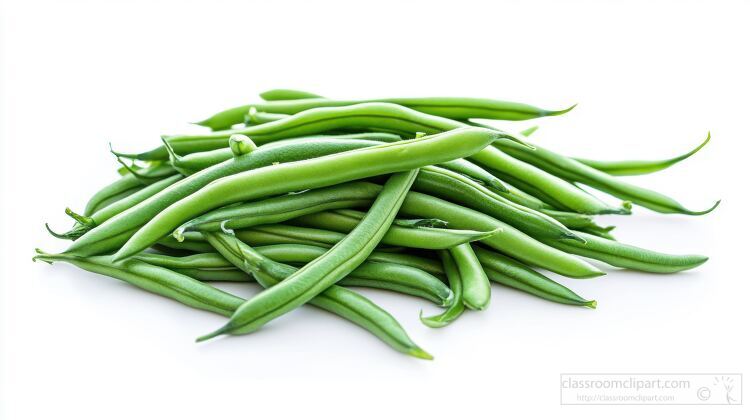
558 112
590 304
214 334
419 353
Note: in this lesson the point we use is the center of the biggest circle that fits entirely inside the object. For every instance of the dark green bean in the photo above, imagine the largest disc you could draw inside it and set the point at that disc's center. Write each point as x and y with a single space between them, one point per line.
229 275
511 273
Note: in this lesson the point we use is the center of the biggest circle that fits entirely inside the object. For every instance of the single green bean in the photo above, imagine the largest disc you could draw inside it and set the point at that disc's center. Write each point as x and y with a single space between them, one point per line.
628 256
229 275
575 171
310 173
474 282
454 108
511 273
457 306
317 276
286 94
335 299
639 167
125 182
158 280
205 261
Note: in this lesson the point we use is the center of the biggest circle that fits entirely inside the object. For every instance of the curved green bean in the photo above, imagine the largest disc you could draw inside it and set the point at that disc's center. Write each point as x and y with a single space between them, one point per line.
457 306
639 167
335 299
453 108
474 282
628 256
575 171
511 273
158 280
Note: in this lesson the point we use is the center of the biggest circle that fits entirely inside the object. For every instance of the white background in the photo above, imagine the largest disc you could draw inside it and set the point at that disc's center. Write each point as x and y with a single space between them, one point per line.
650 77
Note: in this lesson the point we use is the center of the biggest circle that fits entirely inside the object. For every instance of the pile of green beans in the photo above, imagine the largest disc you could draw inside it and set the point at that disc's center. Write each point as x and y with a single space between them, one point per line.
314 198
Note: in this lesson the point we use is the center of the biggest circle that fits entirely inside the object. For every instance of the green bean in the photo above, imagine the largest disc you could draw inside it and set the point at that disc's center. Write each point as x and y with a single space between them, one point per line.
281 234
422 238
627 256
474 283
230 275
400 278
575 171
509 241
311 173
365 117
185 245
206 260
600 231
100 216
454 108
111 234
285 207
570 220
639 167
286 94
508 272
255 117
554 188
114 198
335 299
457 306
158 280
325 271
524 199
290 150
476 173
114 191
